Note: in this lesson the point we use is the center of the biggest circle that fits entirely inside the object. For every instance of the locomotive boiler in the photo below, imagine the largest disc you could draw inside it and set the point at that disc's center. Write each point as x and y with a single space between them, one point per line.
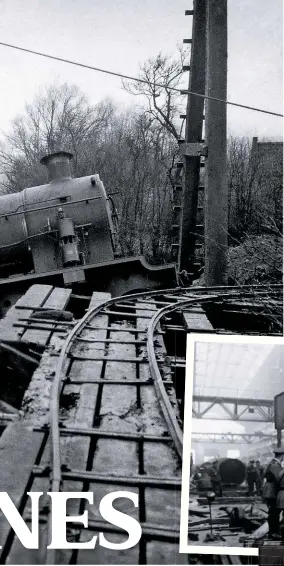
65 223
63 233
232 471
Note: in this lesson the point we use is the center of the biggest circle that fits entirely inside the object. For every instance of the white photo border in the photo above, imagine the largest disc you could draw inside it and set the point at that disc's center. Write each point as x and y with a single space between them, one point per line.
184 547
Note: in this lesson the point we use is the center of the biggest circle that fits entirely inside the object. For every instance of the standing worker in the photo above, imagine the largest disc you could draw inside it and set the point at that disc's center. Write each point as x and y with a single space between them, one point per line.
280 501
273 475
204 482
259 477
251 477
216 479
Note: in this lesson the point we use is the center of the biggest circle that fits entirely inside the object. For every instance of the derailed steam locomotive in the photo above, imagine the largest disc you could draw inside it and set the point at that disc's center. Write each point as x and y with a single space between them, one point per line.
63 233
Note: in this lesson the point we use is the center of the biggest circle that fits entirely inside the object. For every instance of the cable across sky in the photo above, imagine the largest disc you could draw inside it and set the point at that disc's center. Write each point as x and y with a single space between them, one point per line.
137 79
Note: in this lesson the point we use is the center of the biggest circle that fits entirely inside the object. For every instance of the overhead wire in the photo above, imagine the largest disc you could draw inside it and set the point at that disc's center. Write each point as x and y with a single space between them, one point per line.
137 79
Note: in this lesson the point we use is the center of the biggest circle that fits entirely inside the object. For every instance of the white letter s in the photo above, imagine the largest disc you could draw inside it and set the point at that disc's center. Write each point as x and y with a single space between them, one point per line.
121 520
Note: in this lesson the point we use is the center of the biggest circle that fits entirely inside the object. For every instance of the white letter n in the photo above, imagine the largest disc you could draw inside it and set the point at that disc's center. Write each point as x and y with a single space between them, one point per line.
29 539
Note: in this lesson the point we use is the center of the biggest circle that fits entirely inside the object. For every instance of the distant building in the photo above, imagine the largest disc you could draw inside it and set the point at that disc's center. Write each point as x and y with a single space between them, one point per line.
269 155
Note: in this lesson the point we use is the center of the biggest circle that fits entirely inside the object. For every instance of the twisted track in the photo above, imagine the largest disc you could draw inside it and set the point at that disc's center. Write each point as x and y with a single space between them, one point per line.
128 435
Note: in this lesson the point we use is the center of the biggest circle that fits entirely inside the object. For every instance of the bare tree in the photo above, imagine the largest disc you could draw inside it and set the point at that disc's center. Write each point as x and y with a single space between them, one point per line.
255 187
60 117
243 181
161 74
255 211
145 196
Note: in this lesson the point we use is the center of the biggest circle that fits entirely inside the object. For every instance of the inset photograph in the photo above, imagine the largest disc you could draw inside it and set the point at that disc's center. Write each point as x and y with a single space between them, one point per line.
233 451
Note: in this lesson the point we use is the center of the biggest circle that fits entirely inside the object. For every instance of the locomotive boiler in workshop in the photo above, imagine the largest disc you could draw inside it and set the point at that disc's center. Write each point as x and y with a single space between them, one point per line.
63 233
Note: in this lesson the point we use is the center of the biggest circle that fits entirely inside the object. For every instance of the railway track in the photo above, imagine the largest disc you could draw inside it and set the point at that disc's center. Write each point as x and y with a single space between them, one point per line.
115 422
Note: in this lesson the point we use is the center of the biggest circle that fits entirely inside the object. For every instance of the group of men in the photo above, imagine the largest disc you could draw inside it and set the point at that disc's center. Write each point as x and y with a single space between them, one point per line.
273 493
254 477
268 483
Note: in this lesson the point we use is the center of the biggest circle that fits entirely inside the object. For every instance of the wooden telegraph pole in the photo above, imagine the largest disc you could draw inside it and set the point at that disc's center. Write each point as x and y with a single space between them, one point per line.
208 75
190 150
216 186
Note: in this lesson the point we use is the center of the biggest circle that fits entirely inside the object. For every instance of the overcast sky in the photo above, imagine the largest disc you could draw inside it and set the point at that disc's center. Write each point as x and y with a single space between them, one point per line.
243 370
121 34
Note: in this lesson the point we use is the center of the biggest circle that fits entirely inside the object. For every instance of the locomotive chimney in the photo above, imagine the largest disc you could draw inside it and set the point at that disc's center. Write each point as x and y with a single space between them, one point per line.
58 165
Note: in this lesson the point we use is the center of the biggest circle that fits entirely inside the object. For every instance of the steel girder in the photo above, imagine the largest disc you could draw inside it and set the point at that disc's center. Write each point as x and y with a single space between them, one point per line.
255 410
229 438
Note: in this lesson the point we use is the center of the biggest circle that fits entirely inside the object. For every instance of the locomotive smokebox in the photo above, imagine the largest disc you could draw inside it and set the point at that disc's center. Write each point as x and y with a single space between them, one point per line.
58 165
232 471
